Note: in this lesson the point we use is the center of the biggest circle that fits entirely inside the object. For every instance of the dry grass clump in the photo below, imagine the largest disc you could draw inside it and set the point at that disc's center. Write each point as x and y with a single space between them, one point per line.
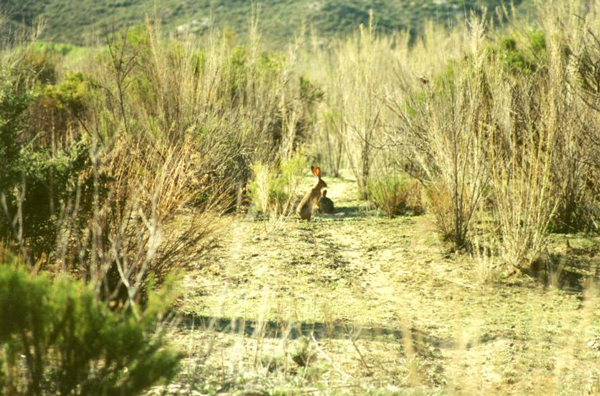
439 203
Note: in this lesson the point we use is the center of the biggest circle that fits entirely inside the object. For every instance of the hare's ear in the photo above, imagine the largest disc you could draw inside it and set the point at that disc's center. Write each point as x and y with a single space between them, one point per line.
317 171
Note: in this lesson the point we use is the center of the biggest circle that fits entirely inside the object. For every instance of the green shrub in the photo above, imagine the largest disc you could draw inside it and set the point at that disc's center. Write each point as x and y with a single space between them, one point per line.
70 94
273 189
33 177
51 180
512 57
537 41
14 100
36 177
396 194
56 338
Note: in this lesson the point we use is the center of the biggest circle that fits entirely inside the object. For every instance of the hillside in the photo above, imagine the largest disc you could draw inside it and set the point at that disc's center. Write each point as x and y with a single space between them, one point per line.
83 21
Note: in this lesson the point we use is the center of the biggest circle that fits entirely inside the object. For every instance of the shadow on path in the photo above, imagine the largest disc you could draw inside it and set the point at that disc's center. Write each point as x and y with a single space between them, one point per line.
349 212
272 329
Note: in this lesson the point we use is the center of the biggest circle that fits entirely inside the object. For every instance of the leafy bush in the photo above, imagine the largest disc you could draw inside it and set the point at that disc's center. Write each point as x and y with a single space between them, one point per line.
49 180
14 100
36 175
71 93
396 194
524 55
57 339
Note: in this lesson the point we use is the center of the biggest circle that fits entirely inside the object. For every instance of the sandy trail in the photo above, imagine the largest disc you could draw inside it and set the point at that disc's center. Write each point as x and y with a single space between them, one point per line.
351 268
355 270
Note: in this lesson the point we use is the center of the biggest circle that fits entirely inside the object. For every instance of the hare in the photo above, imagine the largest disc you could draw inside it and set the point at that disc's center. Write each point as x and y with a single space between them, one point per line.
305 208
325 204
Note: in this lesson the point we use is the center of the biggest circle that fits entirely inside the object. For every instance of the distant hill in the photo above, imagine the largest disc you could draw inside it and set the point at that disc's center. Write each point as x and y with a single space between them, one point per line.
84 21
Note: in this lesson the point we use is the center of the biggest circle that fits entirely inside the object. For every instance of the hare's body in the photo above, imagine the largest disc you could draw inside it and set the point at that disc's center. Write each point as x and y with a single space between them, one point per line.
325 204
305 207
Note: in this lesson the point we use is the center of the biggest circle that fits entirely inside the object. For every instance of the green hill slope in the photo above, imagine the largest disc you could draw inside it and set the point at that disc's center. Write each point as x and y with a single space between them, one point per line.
83 21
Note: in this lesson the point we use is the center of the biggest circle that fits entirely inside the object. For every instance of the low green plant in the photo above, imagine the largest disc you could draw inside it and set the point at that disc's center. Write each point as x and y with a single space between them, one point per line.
57 338
302 354
522 55
396 194
274 189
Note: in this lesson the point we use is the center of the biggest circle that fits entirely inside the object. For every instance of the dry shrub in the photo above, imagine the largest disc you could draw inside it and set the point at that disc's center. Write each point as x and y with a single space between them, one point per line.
328 143
356 119
138 193
444 127
439 203
525 194
580 208
541 177
515 136
241 104
145 170
166 133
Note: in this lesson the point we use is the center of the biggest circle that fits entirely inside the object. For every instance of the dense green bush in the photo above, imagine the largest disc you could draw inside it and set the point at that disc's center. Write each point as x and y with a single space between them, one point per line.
36 178
520 54
70 94
50 181
14 100
57 339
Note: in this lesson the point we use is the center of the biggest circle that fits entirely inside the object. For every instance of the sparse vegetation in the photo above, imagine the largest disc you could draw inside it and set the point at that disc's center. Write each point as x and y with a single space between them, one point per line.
126 161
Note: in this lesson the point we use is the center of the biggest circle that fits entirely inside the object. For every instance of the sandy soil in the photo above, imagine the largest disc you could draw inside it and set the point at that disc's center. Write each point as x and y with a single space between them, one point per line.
384 306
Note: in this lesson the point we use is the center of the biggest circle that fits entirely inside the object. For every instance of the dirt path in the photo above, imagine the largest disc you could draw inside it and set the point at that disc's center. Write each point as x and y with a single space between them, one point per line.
386 302
354 267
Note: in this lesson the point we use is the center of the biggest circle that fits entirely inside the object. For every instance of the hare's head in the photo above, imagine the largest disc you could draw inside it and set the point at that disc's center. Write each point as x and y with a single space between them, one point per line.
320 182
